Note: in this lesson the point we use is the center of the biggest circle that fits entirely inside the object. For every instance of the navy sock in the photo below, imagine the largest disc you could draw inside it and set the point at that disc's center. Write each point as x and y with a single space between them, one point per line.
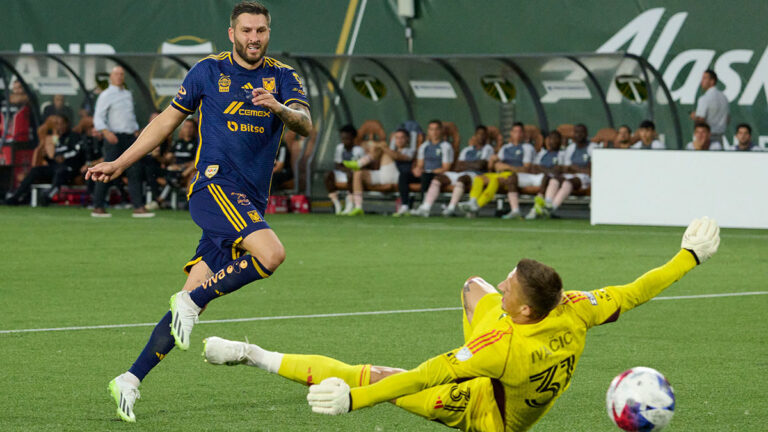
160 343
230 278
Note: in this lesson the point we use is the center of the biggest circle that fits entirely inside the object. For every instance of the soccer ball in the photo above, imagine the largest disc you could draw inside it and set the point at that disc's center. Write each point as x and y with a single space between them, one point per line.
640 399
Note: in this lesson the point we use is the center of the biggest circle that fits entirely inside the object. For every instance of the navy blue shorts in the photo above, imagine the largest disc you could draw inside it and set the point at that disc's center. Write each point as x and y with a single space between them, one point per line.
226 216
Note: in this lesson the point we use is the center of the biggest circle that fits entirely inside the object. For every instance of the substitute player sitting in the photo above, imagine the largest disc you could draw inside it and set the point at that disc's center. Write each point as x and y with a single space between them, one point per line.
244 100
473 160
388 172
515 156
576 174
521 347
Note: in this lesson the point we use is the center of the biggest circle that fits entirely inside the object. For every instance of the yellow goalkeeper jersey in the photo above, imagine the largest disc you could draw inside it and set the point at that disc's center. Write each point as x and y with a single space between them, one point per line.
533 362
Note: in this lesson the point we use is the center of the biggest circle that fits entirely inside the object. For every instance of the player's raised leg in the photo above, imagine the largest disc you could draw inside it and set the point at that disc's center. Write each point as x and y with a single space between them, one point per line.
266 254
125 387
305 369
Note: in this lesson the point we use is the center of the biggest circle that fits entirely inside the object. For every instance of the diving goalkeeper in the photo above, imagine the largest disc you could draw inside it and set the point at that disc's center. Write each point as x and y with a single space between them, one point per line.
521 348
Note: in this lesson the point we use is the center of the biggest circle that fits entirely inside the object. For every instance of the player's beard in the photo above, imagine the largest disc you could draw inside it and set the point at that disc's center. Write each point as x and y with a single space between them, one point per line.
242 51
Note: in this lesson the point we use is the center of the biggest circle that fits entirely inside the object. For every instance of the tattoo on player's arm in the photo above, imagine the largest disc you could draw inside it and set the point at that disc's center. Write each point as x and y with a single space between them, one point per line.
296 117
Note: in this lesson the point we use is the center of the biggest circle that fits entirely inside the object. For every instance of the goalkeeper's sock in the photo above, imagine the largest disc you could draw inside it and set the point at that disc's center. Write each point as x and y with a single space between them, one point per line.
312 369
160 343
233 276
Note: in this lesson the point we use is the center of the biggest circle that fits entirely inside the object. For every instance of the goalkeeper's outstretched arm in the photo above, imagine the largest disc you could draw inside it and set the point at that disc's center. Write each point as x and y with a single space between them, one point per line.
700 242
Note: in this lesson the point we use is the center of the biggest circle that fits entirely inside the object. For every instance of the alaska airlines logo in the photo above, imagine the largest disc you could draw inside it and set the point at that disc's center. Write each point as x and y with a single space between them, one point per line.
235 108
638 33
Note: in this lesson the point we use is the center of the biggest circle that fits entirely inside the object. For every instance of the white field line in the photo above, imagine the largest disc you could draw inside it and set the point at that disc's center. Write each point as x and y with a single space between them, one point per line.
334 315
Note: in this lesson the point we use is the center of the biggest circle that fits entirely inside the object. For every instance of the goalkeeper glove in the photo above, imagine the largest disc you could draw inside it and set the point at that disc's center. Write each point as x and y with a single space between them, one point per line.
702 238
330 397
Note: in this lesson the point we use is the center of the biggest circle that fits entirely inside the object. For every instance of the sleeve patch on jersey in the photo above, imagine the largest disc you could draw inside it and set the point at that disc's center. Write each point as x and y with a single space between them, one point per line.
464 354
591 298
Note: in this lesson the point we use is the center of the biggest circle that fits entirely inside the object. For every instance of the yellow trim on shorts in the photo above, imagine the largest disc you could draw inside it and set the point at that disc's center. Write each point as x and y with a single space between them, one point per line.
191 264
235 253
224 209
231 206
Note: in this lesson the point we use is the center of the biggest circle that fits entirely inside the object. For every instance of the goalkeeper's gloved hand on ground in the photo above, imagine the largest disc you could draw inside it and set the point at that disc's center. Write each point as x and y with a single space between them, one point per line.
330 397
702 238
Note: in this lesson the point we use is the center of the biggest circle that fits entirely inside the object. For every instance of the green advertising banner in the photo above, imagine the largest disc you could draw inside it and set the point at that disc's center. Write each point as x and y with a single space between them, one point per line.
679 38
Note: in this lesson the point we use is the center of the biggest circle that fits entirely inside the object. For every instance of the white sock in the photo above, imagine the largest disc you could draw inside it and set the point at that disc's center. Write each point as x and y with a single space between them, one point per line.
336 205
473 200
263 359
548 202
131 379
451 207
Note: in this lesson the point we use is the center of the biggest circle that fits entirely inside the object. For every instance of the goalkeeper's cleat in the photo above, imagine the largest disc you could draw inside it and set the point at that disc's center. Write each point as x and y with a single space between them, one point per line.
184 314
125 395
357 211
218 351
351 164
513 215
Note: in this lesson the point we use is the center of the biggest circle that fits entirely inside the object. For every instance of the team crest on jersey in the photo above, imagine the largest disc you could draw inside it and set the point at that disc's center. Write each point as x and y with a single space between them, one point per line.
464 354
268 84
254 216
182 91
211 170
242 199
224 83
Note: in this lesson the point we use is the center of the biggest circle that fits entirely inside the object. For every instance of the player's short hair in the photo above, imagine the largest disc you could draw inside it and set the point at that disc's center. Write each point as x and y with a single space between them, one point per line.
745 126
541 285
647 124
405 131
437 122
629 129
249 7
711 74
478 127
702 125
518 124
348 128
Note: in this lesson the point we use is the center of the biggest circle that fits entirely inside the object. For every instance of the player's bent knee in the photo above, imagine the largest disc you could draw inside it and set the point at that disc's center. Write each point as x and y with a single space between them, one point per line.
378 373
473 290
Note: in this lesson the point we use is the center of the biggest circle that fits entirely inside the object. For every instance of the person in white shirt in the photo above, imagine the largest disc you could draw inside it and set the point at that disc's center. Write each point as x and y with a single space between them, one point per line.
341 176
702 139
712 107
648 141
514 157
388 173
576 169
744 139
115 118
473 160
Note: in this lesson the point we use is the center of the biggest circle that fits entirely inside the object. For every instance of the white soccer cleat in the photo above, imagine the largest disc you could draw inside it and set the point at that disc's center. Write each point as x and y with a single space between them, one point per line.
449 212
218 351
125 395
469 206
531 214
403 211
184 314
420 211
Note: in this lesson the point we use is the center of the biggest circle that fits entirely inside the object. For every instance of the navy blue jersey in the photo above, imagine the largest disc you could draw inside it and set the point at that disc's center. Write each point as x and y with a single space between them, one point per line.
237 141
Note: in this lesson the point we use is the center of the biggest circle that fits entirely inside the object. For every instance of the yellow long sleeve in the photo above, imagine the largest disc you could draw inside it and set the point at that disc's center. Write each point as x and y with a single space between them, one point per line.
654 281
432 372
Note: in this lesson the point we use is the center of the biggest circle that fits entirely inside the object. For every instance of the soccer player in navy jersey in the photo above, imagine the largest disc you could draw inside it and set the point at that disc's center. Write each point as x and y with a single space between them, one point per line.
244 100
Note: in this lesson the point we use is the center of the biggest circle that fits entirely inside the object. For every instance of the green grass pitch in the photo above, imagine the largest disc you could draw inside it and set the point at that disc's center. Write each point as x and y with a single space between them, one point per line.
61 268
